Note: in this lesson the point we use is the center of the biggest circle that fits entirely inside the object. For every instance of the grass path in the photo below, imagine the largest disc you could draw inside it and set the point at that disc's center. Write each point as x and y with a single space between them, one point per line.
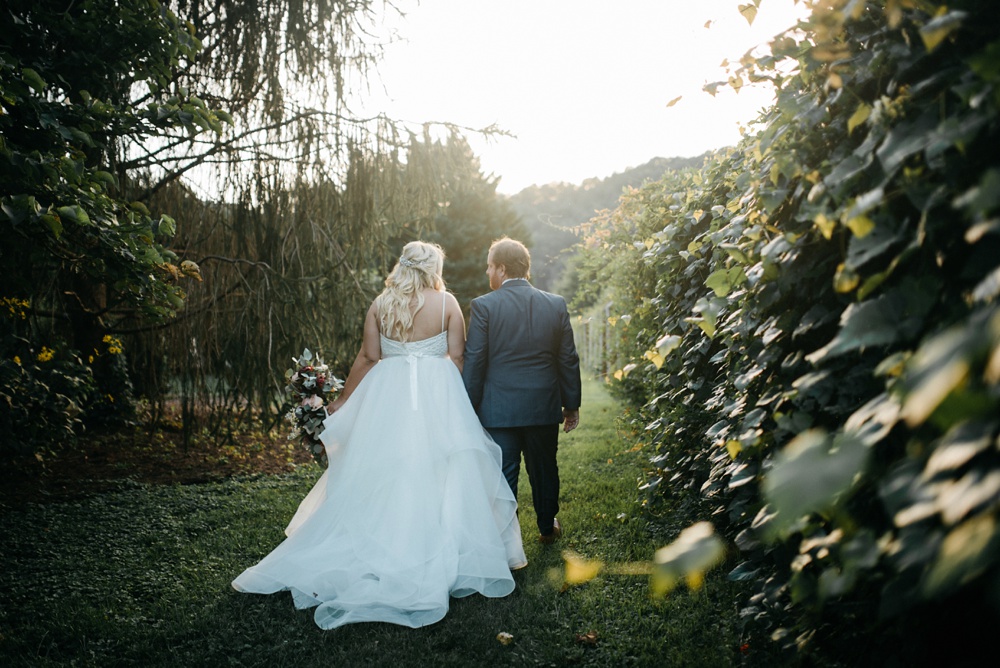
140 576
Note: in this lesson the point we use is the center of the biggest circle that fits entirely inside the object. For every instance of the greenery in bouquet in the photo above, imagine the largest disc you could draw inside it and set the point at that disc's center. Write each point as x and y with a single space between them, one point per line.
310 388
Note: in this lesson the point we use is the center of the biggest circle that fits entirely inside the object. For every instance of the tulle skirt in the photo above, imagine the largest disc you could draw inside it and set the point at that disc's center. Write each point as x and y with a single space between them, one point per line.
413 508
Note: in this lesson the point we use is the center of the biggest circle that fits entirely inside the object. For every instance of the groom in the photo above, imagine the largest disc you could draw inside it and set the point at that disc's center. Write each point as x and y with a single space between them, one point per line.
522 373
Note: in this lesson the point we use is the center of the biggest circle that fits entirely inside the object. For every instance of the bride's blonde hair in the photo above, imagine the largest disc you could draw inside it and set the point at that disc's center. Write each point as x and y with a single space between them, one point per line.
419 267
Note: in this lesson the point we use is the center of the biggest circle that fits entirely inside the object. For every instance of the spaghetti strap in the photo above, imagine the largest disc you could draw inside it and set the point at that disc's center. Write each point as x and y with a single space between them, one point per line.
443 295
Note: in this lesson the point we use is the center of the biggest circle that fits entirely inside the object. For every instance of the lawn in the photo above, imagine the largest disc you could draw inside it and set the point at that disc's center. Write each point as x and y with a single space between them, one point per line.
139 575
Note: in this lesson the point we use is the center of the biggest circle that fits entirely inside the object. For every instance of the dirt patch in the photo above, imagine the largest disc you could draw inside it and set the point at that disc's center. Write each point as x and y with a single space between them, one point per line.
99 462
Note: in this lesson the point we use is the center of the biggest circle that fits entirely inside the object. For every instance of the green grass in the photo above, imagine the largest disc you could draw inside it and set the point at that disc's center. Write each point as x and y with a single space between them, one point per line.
140 576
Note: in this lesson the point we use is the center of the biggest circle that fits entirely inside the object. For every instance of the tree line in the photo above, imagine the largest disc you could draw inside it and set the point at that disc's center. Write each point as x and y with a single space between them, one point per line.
187 201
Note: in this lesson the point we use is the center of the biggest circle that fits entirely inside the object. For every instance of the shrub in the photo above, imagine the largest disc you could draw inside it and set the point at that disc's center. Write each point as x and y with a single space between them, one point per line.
815 321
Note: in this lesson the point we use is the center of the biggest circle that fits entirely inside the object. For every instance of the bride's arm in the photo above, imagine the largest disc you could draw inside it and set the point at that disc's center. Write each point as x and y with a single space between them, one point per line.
456 332
368 356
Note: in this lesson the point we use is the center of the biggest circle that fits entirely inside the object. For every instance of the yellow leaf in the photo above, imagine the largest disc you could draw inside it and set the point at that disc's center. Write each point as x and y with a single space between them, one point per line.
706 326
834 81
579 570
505 638
940 28
696 550
894 13
649 242
674 101
749 12
775 173
654 357
992 372
825 225
859 116
736 83
861 226
733 448
619 374
191 269
827 53
846 279
172 270
613 320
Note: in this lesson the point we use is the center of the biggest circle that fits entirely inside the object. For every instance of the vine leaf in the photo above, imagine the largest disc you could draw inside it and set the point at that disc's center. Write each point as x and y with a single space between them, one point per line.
880 321
696 550
749 12
859 116
812 473
940 27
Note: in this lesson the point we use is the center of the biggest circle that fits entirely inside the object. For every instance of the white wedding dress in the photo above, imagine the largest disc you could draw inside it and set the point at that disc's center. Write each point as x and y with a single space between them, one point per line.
412 509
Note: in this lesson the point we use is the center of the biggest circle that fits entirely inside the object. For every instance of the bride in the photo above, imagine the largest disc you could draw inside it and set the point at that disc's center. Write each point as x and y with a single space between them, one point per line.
413 507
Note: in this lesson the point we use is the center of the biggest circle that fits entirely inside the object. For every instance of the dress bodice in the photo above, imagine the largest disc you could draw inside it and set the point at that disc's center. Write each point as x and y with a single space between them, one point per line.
435 346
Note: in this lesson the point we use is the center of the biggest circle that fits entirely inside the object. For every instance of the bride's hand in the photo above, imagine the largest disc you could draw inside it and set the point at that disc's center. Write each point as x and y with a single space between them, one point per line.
334 406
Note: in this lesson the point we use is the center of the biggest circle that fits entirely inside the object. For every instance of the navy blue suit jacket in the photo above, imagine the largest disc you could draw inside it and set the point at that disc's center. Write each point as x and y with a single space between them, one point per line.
521 365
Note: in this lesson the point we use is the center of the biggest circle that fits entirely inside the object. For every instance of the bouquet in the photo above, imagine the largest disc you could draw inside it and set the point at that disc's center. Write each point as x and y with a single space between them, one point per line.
311 387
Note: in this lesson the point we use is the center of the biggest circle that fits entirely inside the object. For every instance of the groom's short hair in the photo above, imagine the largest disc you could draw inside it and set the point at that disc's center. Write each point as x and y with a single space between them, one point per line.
513 256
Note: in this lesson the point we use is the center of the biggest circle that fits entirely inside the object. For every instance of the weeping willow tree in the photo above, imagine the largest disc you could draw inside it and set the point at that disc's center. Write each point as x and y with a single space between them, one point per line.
307 208
187 182
289 212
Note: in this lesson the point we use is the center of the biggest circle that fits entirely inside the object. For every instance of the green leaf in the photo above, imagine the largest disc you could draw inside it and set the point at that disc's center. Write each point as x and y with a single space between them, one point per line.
667 344
74 213
33 79
812 473
709 310
885 320
936 369
965 553
906 139
167 226
873 421
107 178
983 198
53 223
959 446
718 281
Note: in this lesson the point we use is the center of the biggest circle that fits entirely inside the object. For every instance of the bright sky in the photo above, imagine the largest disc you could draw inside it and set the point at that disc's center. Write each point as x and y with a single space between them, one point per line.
583 84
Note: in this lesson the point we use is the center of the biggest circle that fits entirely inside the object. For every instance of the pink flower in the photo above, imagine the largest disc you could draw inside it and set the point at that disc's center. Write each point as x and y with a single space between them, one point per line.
313 401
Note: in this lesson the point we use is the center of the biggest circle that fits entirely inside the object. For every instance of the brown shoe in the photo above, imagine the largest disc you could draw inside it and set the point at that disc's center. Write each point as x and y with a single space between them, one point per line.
548 539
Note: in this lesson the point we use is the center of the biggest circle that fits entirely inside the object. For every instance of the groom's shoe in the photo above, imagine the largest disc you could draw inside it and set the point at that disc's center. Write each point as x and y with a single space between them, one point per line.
548 539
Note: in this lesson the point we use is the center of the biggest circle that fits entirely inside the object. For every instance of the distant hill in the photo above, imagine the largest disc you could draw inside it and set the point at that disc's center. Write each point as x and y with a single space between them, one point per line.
550 211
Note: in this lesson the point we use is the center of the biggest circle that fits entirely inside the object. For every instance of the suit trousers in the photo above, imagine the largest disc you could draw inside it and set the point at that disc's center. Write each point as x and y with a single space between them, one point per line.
538 445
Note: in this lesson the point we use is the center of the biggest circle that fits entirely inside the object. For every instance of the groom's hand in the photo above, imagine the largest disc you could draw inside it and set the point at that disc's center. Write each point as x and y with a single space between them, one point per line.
571 419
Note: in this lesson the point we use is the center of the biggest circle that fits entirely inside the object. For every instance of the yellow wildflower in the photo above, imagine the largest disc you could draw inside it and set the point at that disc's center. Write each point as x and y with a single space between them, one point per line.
46 354
115 346
16 307
17 360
